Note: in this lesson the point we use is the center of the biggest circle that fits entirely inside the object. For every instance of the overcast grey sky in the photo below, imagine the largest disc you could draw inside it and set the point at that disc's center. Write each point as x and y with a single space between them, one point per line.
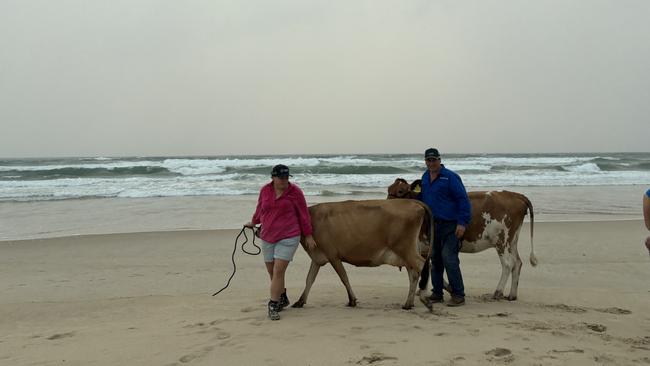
134 77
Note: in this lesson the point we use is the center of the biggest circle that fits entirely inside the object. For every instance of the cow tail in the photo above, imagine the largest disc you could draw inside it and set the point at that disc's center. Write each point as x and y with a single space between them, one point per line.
533 258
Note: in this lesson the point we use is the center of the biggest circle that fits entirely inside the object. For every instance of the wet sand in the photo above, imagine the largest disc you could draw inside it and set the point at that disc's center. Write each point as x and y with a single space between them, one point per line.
46 219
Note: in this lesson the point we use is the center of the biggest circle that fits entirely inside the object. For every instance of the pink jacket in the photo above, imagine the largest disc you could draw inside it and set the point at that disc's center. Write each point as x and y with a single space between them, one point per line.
284 217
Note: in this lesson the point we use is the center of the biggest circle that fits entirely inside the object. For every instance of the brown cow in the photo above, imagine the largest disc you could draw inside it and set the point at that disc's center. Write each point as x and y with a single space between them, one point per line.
497 218
367 234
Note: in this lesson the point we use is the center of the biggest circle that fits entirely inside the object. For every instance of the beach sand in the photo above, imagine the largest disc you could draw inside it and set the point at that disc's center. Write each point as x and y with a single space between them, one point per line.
144 299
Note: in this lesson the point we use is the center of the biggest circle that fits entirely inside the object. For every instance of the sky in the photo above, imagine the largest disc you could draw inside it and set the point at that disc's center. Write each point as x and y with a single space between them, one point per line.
141 78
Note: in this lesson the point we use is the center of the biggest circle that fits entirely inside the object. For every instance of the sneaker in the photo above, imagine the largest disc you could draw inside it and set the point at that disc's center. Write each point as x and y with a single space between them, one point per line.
456 301
284 301
273 310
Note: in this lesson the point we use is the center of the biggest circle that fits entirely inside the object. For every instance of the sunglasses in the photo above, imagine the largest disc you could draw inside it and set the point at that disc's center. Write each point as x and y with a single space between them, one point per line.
431 160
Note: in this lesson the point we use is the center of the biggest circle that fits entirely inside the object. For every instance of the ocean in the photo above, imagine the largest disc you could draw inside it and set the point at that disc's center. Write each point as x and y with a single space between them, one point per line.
69 196
317 175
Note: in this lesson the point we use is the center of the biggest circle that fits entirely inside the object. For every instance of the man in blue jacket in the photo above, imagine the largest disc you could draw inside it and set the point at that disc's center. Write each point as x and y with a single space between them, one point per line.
443 191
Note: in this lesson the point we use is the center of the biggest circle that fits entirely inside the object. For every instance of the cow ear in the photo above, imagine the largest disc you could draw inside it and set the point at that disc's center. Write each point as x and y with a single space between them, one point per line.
416 183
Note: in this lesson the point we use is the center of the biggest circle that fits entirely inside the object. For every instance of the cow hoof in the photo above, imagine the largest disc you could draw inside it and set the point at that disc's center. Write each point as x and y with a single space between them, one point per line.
498 295
352 303
298 304
407 307
512 298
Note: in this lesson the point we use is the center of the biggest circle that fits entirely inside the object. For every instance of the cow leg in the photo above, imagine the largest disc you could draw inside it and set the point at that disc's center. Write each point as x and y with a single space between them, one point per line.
516 270
413 274
311 277
506 268
340 270
424 277
445 286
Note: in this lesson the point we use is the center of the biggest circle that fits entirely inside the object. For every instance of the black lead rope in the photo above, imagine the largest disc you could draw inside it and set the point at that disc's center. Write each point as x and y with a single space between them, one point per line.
234 249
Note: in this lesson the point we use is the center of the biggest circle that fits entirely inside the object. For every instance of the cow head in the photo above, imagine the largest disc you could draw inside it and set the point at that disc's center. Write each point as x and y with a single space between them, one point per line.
402 189
399 189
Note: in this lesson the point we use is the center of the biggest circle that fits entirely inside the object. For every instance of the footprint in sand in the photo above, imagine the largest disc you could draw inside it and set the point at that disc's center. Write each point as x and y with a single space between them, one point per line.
248 309
596 327
639 343
614 310
534 325
374 357
500 354
61 335
188 358
196 355
218 321
570 309
223 335
195 325
498 315
604 359
570 350
486 298
442 313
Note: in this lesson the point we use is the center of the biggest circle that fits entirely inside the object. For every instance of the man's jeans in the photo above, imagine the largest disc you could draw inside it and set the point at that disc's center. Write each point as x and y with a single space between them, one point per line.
445 258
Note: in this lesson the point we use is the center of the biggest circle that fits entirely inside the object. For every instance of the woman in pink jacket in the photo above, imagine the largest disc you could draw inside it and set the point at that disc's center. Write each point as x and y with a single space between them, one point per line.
282 211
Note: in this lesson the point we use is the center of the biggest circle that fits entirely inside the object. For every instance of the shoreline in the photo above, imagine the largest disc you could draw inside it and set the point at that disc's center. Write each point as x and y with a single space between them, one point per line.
599 219
43 219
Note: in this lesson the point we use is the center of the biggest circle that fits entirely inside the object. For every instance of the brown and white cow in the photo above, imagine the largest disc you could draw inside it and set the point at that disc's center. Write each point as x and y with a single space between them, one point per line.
497 218
367 234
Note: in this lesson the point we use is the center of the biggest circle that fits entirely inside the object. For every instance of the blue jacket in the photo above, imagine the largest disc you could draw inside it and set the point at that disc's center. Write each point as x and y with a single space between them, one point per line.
446 196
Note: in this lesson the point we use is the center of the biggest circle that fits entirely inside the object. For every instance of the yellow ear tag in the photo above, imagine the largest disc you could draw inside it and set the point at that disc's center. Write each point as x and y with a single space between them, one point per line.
417 189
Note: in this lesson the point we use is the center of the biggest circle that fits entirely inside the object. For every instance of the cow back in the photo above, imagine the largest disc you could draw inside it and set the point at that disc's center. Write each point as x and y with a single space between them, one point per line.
363 233
505 207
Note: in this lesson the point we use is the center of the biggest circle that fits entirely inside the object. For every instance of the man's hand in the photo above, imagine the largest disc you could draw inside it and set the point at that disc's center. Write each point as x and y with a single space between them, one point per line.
311 243
249 225
460 231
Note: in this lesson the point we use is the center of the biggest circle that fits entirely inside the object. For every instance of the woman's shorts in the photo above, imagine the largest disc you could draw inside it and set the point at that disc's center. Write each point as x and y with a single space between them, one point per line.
283 249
